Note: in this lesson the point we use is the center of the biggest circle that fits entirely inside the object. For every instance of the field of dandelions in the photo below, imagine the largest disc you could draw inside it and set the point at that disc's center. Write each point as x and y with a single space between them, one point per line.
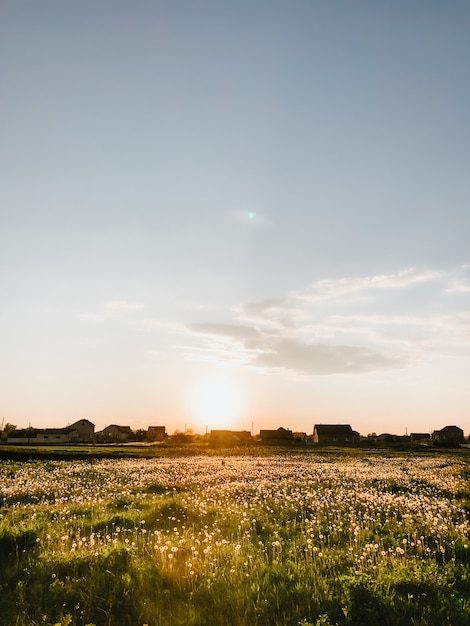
252 540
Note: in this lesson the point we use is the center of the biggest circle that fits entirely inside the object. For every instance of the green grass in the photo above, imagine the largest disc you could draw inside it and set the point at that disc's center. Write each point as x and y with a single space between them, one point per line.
280 538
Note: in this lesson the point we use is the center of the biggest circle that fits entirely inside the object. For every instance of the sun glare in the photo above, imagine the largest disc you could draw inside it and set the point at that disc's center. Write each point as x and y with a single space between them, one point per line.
216 402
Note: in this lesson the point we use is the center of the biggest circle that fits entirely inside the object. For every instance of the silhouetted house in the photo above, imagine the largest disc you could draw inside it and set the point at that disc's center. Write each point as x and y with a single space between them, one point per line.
421 438
279 437
384 438
333 434
114 434
39 436
389 438
448 436
230 437
85 431
79 432
56 435
156 433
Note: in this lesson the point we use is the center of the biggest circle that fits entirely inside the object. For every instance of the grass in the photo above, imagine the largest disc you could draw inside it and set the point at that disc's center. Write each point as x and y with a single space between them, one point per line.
279 538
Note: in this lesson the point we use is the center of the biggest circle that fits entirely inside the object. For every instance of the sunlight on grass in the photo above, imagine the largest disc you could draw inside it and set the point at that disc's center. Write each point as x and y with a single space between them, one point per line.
277 539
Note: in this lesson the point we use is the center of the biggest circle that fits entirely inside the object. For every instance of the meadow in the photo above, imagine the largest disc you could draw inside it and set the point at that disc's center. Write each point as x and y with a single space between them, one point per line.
254 539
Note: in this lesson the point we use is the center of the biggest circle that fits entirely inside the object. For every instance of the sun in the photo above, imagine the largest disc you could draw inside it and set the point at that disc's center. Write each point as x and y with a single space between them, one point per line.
216 402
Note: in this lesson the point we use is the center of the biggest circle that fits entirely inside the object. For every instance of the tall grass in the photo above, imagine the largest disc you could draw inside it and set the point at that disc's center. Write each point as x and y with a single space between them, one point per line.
278 540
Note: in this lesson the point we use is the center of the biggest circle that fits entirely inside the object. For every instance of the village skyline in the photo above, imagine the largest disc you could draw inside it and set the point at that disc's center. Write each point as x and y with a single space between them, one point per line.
201 428
83 431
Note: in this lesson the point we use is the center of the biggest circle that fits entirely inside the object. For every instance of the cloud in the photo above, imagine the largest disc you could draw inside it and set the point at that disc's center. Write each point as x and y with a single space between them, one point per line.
235 331
456 326
276 351
274 314
324 359
303 333
247 346
223 343
458 287
328 289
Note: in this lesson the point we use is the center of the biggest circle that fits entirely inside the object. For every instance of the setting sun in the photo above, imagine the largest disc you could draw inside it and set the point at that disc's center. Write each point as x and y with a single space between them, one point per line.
216 402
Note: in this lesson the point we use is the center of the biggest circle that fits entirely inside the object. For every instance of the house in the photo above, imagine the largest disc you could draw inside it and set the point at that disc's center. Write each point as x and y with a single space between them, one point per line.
85 431
37 436
448 436
420 438
230 437
333 434
156 433
55 435
389 438
384 438
114 434
279 437
79 432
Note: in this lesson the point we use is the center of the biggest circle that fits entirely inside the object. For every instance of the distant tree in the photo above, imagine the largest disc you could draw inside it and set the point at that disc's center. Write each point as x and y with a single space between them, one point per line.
182 437
139 435
198 438
7 430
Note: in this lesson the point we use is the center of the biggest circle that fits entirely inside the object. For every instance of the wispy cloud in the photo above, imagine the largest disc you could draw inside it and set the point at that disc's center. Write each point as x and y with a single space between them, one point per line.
322 329
458 287
328 289
317 358
302 333
237 331
272 314
276 352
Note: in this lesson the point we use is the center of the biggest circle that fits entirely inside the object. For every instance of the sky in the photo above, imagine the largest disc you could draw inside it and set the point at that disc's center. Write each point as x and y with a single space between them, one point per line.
240 215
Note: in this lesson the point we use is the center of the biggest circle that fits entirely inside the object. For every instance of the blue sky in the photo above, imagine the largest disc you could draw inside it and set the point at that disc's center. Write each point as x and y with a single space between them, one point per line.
235 214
